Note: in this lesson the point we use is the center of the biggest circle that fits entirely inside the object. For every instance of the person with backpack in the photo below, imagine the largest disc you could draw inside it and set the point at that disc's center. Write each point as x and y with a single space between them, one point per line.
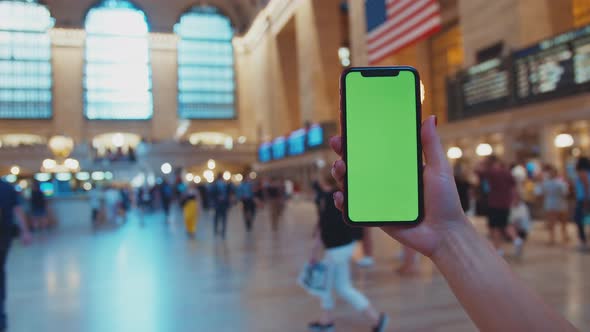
339 241
221 194
10 210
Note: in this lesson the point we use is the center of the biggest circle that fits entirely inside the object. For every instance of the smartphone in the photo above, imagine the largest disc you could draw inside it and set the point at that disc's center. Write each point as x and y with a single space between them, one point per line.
381 120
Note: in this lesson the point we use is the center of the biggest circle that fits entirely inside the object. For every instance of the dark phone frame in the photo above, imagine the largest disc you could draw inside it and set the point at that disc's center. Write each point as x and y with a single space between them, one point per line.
379 72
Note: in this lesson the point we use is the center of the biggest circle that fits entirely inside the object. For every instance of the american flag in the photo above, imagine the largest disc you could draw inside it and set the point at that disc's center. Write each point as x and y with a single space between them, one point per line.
394 24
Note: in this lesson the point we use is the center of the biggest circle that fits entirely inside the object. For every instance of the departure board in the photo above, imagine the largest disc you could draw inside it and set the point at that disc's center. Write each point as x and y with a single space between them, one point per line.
541 71
582 60
555 66
484 83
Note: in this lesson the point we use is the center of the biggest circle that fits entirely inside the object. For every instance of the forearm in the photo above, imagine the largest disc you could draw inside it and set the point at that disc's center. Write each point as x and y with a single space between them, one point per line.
494 298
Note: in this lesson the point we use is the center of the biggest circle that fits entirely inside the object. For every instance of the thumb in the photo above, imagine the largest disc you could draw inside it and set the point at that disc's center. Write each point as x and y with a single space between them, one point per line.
433 149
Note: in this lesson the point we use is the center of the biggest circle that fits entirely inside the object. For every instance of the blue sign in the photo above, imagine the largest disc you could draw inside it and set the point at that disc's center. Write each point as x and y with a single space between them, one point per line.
279 148
264 152
315 136
297 142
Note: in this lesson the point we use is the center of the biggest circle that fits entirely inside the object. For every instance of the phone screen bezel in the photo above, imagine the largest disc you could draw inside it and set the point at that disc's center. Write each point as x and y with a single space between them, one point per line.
383 71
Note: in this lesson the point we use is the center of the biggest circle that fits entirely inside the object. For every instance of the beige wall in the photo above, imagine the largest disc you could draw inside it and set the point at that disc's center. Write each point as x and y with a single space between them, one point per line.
516 22
291 67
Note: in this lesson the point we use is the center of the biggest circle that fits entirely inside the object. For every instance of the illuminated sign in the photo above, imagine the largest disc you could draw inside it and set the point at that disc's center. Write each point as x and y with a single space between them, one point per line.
279 148
315 136
296 142
264 152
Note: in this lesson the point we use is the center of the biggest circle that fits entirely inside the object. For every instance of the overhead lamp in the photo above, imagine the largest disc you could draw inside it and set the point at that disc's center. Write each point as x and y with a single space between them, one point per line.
484 149
454 152
563 141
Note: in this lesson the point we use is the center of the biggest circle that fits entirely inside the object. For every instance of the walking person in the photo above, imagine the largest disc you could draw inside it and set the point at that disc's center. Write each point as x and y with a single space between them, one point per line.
338 239
96 198
166 197
366 239
10 210
582 184
519 222
221 192
112 199
276 200
190 209
501 187
245 193
463 187
38 208
555 191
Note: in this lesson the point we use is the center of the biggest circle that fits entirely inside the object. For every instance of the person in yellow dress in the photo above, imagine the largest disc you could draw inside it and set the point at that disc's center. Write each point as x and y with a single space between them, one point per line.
190 207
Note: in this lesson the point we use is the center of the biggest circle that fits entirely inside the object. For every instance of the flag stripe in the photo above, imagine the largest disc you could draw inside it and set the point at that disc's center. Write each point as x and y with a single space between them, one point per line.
403 26
402 23
388 23
432 24
394 8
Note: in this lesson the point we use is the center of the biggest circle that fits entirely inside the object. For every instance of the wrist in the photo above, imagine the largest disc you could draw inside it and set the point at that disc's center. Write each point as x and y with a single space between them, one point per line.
453 242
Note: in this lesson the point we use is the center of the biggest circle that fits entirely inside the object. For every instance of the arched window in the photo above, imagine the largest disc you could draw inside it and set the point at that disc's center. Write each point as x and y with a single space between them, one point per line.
117 77
25 60
205 65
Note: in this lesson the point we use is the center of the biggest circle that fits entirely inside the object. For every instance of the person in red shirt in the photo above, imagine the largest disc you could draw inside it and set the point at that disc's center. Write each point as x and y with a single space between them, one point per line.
501 186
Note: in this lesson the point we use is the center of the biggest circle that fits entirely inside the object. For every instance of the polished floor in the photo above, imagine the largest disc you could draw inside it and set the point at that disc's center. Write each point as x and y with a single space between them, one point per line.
147 276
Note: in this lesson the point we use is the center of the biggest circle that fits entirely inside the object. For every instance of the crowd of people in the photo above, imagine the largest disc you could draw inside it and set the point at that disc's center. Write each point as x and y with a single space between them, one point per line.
508 196
502 194
111 203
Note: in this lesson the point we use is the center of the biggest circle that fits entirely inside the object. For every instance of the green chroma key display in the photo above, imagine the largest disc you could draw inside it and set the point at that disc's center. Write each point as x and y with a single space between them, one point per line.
381 113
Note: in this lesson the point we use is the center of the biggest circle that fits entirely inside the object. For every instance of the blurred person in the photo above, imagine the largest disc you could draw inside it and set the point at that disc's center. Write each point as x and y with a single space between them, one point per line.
166 194
221 192
245 193
463 187
493 297
190 209
338 239
144 198
366 239
10 210
519 223
38 207
275 195
204 195
125 202
317 190
501 187
409 262
96 197
554 190
582 210
112 199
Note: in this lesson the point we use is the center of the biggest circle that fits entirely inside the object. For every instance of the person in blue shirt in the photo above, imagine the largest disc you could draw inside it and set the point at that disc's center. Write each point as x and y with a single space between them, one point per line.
10 210
582 185
221 192
245 194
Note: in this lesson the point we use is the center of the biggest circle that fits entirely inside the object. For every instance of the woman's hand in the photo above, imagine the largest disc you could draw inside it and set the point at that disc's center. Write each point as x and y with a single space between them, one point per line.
443 212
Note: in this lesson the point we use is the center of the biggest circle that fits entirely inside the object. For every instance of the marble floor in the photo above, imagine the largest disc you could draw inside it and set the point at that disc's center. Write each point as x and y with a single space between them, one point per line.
147 276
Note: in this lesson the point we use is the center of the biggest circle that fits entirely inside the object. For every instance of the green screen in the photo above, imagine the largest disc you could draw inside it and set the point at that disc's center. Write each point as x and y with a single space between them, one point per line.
382 147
